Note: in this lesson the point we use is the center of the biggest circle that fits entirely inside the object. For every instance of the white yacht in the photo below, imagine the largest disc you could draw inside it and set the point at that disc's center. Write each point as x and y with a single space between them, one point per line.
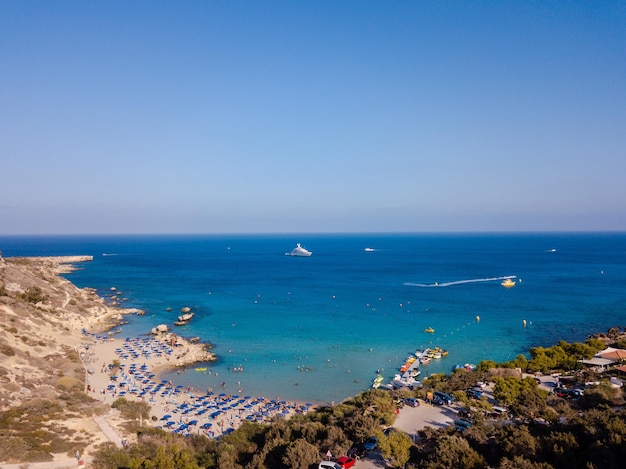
299 251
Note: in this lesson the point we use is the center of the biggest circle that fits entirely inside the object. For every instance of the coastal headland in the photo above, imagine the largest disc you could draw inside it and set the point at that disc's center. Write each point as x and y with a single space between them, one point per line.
63 366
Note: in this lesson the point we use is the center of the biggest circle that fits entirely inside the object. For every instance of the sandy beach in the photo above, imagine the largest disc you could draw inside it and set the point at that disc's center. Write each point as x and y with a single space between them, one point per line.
129 368
51 325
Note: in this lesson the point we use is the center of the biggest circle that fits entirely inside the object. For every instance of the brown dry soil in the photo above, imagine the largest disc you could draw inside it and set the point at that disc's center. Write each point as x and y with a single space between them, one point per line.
43 407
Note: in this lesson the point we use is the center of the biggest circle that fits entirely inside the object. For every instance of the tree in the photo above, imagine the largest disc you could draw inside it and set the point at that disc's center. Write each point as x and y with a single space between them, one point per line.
453 451
518 462
300 454
515 441
396 446
522 395
167 457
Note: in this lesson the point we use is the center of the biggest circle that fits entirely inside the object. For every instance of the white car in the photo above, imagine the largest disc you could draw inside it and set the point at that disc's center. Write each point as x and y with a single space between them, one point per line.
328 465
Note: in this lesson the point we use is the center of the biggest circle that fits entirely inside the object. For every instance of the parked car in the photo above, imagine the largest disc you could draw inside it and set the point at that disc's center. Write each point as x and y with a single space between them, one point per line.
447 398
371 443
328 465
499 412
357 452
474 393
462 424
569 393
412 401
345 462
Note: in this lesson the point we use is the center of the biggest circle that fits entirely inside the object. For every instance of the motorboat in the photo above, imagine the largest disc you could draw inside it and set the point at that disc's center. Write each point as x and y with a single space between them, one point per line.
408 363
299 251
508 283
400 381
429 330
377 381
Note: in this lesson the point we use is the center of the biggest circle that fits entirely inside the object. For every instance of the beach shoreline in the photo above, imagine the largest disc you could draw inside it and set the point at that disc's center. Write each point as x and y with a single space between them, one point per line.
79 319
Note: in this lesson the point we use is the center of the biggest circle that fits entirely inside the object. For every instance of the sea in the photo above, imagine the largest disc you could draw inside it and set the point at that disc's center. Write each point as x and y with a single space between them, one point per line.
318 329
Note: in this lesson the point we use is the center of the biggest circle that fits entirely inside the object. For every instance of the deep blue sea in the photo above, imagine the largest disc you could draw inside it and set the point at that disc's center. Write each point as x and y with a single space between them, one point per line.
318 328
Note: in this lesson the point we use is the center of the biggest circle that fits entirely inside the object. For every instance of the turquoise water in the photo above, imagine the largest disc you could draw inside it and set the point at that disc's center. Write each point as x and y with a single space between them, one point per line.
317 329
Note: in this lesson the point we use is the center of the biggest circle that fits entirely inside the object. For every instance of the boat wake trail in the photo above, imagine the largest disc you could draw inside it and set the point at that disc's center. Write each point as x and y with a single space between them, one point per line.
458 282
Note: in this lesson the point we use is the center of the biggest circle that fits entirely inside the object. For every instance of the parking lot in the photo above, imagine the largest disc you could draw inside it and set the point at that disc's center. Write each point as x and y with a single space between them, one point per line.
410 420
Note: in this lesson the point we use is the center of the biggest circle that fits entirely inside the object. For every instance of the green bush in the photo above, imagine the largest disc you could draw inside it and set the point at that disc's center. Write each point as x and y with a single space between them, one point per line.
33 295
131 409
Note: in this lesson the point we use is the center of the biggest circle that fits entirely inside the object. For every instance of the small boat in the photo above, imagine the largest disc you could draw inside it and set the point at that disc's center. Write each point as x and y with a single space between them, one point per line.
299 251
369 249
466 366
200 370
508 283
409 382
430 330
425 360
408 363
377 381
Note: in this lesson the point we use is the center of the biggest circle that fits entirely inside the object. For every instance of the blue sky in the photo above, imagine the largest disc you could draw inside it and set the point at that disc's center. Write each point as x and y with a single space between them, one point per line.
324 116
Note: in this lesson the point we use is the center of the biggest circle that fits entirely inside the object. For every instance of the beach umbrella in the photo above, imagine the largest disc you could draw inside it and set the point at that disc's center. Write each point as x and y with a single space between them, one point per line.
192 422
166 417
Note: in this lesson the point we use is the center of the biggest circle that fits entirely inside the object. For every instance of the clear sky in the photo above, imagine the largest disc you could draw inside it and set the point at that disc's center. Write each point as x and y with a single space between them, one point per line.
318 116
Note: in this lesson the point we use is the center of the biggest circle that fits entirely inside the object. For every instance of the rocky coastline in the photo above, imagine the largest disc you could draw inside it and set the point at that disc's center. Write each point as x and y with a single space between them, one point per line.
47 350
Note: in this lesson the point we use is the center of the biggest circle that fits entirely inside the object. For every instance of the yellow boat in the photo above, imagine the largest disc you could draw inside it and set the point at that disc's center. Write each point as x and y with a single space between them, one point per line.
508 283
430 330
407 364
200 369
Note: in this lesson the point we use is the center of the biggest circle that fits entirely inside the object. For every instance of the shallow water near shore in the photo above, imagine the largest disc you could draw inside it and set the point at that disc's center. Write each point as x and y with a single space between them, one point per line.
317 329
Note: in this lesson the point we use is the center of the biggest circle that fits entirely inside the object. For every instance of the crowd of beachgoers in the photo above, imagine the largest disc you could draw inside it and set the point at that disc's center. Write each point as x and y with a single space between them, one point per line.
130 370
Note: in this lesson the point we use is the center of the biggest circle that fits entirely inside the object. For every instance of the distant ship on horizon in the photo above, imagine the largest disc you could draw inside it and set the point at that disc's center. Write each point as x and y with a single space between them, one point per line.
299 251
